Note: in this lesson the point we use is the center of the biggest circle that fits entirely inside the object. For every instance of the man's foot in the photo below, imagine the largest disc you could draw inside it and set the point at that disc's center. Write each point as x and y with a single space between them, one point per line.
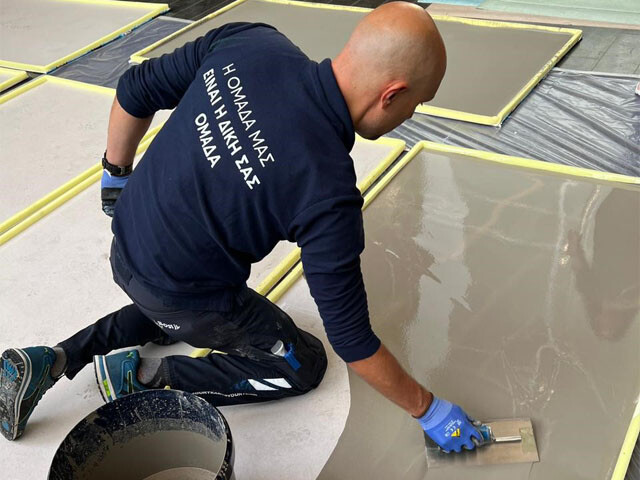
24 378
117 374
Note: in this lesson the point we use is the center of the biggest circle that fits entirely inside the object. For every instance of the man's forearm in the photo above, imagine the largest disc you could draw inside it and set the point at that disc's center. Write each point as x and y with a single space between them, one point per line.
383 372
125 133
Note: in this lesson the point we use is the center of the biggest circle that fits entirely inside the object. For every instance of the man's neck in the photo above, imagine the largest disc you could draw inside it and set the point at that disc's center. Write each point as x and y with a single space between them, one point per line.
344 80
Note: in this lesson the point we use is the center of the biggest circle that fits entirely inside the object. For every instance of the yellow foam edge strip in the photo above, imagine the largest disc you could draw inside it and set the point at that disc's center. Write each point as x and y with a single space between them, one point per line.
139 56
60 81
27 212
497 120
22 88
60 200
294 274
19 217
287 272
155 10
48 208
17 76
47 204
630 439
544 71
491 120
530 164
58 197
444 18
31 209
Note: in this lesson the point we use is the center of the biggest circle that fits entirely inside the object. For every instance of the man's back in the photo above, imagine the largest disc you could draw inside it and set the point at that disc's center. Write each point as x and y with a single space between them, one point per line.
256 149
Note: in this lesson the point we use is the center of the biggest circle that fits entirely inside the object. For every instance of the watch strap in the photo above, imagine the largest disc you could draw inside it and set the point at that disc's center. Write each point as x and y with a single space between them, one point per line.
115 170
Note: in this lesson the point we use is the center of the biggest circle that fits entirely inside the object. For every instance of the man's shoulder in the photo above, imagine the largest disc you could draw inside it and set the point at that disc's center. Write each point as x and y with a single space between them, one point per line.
249 36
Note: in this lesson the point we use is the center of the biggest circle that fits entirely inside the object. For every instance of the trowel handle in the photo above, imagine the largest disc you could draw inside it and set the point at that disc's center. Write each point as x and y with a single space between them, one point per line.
486 432
489 437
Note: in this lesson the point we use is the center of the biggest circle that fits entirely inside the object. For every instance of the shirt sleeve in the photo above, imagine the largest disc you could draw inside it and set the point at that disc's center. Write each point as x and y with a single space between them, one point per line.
331 236
160 83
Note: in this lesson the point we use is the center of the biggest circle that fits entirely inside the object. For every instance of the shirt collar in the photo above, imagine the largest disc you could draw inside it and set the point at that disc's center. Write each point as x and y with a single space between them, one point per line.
334 104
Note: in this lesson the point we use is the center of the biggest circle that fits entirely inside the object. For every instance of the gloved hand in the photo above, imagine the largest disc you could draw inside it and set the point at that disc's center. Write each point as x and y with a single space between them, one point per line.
111 189
449 426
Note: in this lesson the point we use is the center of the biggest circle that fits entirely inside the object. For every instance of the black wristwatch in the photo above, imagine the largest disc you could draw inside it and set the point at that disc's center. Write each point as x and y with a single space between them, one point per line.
115 170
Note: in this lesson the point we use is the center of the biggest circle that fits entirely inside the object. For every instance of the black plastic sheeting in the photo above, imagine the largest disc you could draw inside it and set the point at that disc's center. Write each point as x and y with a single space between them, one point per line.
105 65
582 119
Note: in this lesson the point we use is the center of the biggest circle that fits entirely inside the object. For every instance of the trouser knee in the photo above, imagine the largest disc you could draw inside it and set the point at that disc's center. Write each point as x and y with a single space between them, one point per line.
313 362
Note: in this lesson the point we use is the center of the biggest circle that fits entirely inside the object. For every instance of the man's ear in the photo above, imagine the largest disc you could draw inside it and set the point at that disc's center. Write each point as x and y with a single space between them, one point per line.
391 92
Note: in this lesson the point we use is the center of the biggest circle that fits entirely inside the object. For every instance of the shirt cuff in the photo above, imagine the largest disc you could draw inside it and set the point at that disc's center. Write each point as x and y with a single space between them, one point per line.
353 353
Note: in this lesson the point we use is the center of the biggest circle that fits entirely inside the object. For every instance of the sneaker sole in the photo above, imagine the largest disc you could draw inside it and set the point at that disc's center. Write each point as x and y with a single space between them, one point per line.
12 391
102 378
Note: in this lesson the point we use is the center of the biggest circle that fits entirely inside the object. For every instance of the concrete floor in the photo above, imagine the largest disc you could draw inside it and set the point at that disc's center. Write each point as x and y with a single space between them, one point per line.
310 425
55 279
35 126
29 25
42 308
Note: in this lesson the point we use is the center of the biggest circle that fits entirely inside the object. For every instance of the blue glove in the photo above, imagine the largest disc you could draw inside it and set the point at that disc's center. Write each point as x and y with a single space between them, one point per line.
448 426
111 189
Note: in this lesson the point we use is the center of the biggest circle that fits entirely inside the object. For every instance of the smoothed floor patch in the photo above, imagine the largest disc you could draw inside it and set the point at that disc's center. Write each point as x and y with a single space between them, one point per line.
513 292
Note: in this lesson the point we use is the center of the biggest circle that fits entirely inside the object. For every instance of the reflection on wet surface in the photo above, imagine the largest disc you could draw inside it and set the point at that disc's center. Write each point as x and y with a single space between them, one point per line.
513 292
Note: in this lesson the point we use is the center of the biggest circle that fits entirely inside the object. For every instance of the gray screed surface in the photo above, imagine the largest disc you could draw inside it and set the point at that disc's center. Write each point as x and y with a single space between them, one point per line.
486 67
509 291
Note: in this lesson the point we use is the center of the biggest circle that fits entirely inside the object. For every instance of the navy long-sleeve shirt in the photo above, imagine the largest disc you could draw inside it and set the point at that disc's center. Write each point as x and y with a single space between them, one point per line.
256 151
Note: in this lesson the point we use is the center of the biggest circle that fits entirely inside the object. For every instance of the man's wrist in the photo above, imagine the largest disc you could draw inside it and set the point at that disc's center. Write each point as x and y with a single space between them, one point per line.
426 398
115 170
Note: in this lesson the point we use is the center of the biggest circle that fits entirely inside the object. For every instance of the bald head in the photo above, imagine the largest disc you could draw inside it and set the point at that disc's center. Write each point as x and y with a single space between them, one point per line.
394 60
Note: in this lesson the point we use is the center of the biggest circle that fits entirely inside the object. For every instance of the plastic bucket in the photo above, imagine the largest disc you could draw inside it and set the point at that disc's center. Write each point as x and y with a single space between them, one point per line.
151 435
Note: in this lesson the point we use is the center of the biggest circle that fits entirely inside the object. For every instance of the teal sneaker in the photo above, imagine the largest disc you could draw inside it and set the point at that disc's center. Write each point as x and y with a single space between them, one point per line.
117 374
24 378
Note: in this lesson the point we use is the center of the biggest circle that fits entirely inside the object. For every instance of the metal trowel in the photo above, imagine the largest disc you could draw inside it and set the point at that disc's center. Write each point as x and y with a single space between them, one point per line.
505 441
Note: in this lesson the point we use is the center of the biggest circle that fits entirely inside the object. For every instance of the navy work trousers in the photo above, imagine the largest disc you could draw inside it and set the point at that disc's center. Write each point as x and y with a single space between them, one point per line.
246 372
